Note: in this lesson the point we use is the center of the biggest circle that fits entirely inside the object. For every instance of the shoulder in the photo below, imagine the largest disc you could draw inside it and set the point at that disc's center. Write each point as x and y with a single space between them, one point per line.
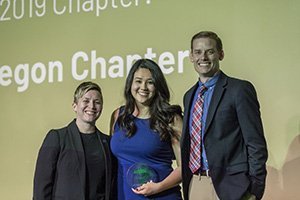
175 110
237 82
190 91
115 114
177 119
114 117
176 124
192 88
241 86
239 89
57 134
52 138
103 135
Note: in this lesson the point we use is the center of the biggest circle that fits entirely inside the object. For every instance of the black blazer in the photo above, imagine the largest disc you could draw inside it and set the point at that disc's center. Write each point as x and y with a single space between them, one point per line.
234 140
60 169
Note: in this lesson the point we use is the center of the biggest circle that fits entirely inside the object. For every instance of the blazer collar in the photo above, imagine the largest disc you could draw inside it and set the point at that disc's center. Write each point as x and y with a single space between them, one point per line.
188 103
75 136
78 148
216 98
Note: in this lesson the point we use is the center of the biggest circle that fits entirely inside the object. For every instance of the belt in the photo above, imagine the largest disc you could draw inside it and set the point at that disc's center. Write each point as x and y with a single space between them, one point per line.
203 173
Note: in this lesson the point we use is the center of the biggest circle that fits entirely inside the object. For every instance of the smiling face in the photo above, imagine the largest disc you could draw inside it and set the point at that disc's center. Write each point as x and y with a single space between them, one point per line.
206 57
88 108
142 87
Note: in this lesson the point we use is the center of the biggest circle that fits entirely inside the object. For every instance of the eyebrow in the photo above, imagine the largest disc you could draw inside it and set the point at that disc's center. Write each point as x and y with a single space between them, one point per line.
137 77
204 50
88 98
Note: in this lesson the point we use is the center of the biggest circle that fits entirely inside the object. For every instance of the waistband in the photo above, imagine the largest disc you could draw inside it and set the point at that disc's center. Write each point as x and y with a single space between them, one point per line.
202 173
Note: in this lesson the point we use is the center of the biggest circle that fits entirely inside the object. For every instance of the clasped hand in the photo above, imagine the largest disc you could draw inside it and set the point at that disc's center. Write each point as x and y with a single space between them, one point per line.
147 189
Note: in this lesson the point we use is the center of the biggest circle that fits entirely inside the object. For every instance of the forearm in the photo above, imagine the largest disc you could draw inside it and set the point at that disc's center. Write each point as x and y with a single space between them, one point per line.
248 112
170 181
151 188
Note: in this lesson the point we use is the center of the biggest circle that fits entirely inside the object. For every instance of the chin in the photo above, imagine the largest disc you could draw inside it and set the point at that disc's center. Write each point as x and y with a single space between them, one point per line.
142 101
91 120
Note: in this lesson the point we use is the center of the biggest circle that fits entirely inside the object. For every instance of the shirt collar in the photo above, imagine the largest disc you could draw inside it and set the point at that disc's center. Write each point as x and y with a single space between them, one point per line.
211 82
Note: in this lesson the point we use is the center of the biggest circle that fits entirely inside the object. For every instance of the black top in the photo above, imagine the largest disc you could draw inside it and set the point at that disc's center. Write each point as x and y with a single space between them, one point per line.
95 167
61 166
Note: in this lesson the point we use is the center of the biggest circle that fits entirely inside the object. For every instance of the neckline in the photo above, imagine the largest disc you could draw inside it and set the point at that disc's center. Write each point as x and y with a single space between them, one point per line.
89 134
141 118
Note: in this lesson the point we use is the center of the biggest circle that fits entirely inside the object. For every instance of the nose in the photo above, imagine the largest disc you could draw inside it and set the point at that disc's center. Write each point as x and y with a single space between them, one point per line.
144 86
203 56
92 105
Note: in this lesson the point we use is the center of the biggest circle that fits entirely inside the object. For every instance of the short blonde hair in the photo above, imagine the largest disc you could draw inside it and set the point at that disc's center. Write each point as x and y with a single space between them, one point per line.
83 88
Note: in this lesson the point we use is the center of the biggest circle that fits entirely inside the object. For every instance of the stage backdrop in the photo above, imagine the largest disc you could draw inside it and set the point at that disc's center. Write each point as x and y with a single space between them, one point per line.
48 47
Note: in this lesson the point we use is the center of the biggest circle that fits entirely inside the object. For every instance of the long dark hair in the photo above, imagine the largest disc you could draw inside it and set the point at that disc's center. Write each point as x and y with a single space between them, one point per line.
161 112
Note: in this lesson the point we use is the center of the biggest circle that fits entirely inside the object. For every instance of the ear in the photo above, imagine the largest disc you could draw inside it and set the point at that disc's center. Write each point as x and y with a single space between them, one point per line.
221 55
74 105
191 56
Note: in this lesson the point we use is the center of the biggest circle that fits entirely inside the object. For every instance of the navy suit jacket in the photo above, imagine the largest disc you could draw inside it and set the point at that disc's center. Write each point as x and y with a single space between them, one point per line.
234 140
61 171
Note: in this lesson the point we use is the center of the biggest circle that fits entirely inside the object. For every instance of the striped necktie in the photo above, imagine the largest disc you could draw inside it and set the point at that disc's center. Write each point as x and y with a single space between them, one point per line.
195 148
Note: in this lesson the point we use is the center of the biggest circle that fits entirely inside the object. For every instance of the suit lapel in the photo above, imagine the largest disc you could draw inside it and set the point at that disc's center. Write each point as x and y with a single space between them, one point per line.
187 107
216 98
185 139
78 148
104 143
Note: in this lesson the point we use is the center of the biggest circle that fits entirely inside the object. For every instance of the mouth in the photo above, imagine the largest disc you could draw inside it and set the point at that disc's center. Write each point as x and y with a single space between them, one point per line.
203 64
144 94
90 112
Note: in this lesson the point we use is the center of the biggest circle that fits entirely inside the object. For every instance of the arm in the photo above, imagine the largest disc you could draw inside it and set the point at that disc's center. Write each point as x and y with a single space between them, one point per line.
174 178
252 129
44 176
113 119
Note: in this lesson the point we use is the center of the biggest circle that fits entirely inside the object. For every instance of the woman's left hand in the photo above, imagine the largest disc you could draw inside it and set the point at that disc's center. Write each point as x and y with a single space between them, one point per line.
147 189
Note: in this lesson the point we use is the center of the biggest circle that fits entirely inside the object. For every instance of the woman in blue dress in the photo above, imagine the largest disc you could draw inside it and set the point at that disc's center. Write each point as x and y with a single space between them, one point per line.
147 130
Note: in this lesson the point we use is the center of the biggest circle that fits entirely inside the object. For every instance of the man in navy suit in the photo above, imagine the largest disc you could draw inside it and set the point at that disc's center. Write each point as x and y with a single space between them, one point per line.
233 151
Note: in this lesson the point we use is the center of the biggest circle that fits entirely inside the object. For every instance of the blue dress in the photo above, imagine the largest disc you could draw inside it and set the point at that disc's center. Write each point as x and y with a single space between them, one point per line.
146 147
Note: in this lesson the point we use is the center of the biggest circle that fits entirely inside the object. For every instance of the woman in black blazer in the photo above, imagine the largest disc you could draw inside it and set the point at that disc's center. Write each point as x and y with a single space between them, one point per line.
75 162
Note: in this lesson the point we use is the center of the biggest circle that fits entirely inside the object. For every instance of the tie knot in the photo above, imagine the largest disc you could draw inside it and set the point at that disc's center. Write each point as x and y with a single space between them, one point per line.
202 89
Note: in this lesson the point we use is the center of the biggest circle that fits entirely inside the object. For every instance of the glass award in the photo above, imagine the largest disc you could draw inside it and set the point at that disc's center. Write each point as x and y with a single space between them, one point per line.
140 173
